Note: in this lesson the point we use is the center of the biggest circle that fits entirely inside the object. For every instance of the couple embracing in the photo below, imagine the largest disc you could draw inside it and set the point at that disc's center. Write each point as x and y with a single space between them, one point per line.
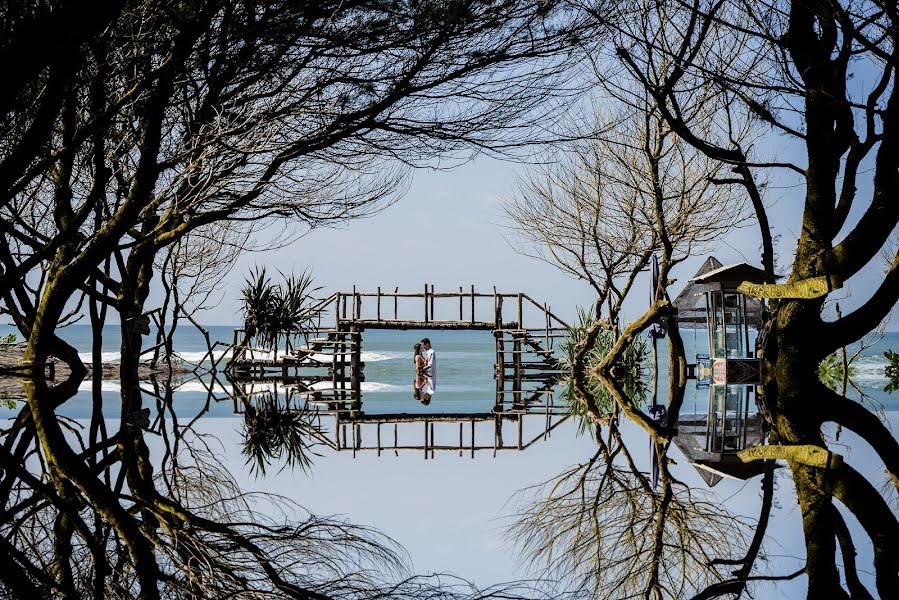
425 359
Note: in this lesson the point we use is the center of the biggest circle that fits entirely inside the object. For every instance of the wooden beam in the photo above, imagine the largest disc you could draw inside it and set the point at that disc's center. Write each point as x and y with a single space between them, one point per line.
412 324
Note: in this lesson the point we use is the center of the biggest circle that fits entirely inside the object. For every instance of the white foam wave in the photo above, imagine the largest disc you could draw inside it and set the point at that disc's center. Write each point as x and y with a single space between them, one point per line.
375 387
366 386
190 357
869 369
188 386
199 386
107 357
381 356
195 357
105 386
367 357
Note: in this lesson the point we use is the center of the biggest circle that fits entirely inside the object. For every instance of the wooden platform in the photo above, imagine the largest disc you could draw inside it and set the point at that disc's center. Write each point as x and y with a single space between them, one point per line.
443 325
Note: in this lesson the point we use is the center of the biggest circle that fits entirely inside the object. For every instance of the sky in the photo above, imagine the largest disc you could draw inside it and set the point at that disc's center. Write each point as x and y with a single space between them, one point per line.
446 230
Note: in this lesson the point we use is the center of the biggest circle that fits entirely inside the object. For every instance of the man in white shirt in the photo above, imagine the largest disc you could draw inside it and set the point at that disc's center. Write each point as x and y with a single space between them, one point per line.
431 364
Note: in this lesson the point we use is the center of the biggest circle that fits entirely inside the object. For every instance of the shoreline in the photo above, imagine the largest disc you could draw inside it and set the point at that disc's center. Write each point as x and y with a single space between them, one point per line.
11 385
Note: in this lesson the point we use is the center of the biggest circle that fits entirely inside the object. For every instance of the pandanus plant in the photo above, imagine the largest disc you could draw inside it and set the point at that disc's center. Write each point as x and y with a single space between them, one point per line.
272 310
628 369
276 433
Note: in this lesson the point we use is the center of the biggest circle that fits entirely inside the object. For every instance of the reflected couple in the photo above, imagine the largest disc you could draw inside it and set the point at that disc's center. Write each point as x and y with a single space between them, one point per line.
424 358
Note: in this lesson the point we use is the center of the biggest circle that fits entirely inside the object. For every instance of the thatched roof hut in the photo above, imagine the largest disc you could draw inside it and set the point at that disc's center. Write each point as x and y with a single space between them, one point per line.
692 309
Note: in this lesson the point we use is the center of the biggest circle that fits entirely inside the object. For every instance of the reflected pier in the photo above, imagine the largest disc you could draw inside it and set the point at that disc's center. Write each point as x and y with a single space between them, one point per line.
316 375
344 426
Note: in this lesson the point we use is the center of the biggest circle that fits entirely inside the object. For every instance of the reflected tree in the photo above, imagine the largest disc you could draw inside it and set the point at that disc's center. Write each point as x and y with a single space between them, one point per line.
279 432
605 529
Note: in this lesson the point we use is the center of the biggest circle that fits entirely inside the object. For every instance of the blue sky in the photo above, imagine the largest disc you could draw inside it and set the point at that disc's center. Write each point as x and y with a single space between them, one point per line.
446 230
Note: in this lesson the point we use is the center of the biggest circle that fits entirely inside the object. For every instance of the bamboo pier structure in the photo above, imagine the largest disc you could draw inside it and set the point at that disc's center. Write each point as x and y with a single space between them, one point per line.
525 331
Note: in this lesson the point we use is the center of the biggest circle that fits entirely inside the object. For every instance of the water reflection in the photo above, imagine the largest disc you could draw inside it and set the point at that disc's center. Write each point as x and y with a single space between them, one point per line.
150 509
604 529
614 525
284 422
711 442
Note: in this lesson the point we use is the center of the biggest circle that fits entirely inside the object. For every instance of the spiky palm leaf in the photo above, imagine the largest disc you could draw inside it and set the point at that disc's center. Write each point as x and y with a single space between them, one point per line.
274 433
630 365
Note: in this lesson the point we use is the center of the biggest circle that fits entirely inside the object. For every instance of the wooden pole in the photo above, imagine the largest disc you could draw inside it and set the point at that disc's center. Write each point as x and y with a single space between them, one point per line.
337 430
379 304
548 418
432 301
426 422
432 440
520 311
379 437
500 360
395 303
516 360
472 303
496 425
546 312
472 438
426 303
355 380
460 303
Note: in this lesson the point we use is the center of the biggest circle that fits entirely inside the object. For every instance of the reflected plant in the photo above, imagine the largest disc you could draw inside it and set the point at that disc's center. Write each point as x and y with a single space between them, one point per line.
272 310
274 433
891 371
9 401
629 368
830 371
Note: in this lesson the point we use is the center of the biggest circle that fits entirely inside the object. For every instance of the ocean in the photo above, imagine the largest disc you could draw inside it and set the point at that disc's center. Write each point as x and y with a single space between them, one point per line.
465 369
465 374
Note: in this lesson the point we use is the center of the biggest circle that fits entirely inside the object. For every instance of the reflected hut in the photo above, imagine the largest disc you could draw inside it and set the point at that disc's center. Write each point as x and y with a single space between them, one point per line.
710 442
